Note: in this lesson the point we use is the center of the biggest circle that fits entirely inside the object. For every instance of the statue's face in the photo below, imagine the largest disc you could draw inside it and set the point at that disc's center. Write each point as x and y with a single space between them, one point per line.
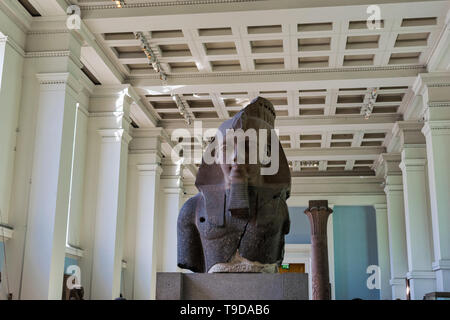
247 171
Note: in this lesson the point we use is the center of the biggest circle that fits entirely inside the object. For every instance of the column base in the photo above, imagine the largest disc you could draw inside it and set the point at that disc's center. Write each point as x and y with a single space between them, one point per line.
421 283
441 269
398 288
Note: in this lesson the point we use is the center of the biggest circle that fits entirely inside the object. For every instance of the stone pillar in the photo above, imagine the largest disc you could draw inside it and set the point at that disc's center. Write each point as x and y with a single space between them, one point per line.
147 159
383 251
171 191
50 187
318 213
112 108
330 243
396 224
75 223
435 91
417 213
11 65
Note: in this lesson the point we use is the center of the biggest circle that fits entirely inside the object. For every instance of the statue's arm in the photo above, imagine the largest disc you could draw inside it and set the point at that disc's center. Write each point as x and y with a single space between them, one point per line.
190 251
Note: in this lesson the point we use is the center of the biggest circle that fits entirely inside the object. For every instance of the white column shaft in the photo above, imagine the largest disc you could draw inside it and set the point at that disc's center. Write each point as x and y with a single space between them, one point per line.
77 188
49 196
383 251
330 242
11 64
417 219
438 154
110 215
147 229
170 205
397 239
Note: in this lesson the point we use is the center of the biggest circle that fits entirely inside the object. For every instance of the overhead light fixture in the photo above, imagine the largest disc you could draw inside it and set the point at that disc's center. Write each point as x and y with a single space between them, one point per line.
182 108
151 56
296 165
119 3
369 101
309 164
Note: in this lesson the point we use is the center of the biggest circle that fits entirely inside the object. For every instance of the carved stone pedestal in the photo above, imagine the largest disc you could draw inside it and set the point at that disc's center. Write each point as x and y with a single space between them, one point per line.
231 286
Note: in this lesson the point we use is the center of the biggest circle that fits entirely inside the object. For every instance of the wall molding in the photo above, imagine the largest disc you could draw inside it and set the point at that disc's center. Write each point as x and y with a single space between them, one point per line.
164 4
276 72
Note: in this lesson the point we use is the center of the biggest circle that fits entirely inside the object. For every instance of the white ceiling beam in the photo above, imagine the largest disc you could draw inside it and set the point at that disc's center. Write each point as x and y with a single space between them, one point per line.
155 16
319 154
381 123
50 7
281 80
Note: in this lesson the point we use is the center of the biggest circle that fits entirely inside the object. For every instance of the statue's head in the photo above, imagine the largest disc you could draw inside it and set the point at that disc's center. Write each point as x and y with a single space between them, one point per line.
246 153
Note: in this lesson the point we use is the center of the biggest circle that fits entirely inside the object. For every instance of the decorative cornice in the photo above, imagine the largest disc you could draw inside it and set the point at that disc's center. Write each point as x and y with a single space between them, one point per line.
439 104
49 32
276 72
52 78
164 4
47 54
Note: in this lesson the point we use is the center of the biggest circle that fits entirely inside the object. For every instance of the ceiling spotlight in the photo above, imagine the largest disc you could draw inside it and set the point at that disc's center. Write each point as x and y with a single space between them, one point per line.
119 3
309 164
182 108
151 56
369 101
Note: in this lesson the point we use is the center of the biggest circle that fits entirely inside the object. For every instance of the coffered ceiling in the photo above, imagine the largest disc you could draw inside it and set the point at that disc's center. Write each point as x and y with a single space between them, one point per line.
316 61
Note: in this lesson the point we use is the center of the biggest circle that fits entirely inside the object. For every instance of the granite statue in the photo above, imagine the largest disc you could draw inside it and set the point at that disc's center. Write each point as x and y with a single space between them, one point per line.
238 220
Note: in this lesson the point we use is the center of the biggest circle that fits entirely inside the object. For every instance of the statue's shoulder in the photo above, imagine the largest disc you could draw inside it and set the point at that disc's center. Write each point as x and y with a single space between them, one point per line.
190 205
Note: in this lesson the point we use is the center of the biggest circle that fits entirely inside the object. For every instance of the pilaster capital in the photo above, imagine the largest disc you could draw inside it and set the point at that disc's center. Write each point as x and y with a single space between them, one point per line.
147 140
390 163
409 132
430 80
178 190
394 183
150 157
9 41
149 169
6 232
436 128
114 135
393 189
413 165
380 208
397 281
443 264
111 98
420 275
59 82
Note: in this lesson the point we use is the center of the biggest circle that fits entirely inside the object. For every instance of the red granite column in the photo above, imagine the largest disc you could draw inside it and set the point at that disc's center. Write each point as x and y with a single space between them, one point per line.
318 213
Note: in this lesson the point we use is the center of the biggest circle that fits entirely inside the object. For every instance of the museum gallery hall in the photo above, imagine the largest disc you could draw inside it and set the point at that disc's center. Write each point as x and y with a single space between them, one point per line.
94 173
